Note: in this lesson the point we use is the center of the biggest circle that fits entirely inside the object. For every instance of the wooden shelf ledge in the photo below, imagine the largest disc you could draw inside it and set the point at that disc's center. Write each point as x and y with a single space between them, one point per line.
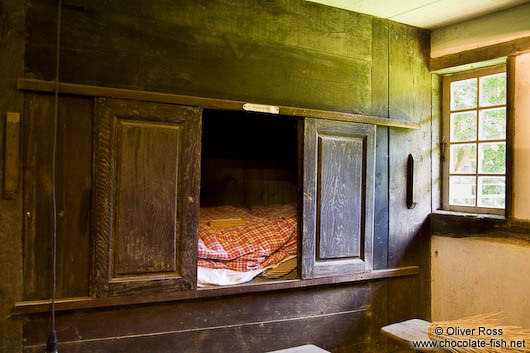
460 225
42 306
210 103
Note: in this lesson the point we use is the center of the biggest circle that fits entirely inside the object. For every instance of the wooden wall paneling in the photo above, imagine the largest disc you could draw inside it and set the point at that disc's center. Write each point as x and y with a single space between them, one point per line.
229 184
147 170
13 39
241 165
410 99
247 338
145 197
340 215
380 108
335 318
264 52
74 193
291 61
339 172
380 43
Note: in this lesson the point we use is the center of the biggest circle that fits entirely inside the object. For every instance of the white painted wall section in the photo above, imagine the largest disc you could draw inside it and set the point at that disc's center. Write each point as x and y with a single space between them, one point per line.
521 156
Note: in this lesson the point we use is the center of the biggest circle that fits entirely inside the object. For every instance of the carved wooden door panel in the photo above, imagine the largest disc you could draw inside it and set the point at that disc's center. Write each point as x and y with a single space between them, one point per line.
146 197
338 201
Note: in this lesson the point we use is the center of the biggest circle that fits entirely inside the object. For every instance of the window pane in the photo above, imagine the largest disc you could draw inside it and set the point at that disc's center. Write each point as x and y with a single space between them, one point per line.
464 126
493 90
464 94
462 190
492 124
463 158
492 157
491 192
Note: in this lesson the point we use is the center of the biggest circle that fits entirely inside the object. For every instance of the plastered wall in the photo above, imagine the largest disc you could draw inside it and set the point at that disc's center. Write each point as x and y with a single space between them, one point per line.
482 275
475 276
522 142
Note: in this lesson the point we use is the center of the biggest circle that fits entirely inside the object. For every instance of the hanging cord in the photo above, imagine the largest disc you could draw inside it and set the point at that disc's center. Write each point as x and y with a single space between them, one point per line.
52 340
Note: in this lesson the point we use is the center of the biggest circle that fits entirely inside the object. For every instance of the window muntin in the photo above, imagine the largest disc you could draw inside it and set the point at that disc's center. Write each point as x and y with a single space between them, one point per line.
475 141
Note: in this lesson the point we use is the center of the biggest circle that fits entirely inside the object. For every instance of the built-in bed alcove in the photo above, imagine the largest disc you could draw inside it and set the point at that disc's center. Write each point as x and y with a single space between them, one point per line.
248 198
154 162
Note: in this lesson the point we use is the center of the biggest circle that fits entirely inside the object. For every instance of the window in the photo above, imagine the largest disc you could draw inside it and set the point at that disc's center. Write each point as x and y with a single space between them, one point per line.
474 141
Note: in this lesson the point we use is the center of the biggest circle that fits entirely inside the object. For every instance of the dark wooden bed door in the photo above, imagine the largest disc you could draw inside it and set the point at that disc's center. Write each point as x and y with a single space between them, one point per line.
146 197
338 198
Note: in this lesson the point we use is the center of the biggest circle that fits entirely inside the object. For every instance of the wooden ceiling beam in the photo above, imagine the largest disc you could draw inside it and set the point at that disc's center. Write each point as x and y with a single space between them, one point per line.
495 51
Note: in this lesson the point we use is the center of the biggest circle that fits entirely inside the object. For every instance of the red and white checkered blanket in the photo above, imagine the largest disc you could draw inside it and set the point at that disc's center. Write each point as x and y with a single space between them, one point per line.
269 236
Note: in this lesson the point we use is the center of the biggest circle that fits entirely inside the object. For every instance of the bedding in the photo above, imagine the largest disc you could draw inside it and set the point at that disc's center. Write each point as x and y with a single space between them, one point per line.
208 277
268 237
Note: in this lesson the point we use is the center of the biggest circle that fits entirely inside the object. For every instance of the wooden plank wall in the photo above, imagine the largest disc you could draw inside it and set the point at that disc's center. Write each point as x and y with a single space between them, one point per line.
338 318
240 166
12 39
74 195
409 238
287 52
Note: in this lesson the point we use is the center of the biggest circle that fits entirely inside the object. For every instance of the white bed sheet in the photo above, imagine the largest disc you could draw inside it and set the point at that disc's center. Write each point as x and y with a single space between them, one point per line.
211 277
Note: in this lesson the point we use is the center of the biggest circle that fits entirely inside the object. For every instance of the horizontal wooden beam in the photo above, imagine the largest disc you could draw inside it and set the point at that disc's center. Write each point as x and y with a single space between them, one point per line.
450 224
211 103
495 51
40 306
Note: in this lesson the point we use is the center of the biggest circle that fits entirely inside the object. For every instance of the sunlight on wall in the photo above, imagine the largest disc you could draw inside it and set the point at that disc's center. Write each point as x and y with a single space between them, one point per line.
474 276
522 142
479 275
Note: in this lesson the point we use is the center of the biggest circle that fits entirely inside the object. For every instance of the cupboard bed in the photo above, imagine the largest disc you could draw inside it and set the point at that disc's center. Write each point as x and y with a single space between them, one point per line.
160 161
147 189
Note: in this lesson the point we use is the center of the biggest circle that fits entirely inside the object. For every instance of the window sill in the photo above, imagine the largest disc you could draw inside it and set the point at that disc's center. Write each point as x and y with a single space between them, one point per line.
43 306
463 225
468 214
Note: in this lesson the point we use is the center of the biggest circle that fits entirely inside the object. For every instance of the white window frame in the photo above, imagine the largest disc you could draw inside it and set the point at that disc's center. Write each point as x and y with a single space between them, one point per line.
445 145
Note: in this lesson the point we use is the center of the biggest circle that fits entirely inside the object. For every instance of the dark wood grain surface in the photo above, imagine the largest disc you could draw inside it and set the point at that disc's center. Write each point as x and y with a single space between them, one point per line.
13 39
40 306
146 227
205 102
248 159
409 239
74 193
331 182
455 225
291 53
340 196
147 158
288 53
337 318
380 45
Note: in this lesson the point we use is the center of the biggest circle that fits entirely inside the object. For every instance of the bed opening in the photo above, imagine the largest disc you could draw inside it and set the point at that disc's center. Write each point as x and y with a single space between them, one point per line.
248 224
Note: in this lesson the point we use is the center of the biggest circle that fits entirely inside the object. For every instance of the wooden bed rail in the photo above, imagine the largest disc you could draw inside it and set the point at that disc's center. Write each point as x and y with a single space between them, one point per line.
41 306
